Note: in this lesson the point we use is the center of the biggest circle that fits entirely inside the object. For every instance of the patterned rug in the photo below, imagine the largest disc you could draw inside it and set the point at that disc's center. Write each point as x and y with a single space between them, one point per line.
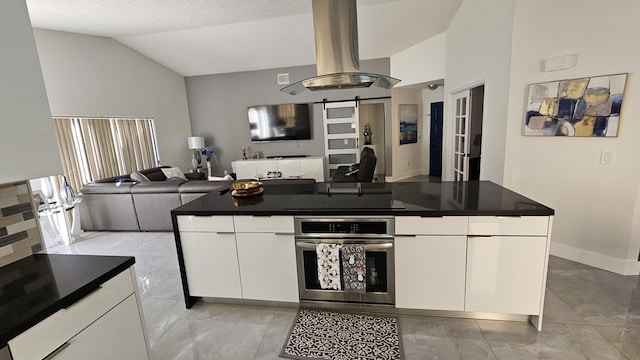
317 334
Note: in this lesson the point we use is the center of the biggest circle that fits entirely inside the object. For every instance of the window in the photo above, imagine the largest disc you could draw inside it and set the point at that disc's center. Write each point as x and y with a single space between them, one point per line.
97 148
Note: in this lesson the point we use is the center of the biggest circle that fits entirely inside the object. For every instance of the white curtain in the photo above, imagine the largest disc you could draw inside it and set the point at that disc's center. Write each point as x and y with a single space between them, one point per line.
97 148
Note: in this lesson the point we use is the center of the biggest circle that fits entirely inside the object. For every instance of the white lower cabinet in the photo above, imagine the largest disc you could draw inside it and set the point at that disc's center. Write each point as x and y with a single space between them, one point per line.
268 266
116 335
106 324
505 274
211 264
430 272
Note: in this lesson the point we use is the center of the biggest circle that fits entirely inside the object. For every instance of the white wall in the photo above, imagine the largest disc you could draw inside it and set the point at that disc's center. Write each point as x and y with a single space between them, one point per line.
428 97
96 76
479 50
595 204
424 62
28 149
407 158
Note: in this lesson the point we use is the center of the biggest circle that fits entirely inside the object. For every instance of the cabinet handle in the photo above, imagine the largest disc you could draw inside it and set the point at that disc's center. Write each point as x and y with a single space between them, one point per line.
480 236
405 235
261 215
225 232
84 297
57 351
283 233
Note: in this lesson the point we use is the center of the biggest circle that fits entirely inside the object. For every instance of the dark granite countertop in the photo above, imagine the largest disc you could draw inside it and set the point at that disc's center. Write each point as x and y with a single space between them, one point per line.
36 287
471 198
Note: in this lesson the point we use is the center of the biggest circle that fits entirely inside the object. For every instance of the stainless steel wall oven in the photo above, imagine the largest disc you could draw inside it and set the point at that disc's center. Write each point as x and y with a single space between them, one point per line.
355 254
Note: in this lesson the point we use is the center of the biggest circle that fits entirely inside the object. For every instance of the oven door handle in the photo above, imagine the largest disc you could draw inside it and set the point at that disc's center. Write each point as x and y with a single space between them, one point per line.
377 246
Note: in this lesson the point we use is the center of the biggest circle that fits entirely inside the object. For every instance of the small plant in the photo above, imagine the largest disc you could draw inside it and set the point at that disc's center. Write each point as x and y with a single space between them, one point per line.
207 152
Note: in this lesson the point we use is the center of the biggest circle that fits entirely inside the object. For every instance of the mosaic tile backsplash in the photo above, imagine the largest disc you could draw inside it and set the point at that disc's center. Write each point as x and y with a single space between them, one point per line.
19 233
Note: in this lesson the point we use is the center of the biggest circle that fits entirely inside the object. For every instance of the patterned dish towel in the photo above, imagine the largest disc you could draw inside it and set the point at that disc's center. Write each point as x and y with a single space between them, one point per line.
354 268
329 266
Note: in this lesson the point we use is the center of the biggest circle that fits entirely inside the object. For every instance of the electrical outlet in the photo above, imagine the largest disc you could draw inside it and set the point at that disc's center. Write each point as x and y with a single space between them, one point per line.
606 158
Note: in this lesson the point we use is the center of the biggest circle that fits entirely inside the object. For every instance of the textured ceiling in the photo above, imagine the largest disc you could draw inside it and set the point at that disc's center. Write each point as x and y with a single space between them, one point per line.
197 37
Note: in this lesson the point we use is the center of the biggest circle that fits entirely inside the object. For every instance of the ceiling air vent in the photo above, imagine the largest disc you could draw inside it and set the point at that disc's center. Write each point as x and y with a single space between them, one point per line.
283 79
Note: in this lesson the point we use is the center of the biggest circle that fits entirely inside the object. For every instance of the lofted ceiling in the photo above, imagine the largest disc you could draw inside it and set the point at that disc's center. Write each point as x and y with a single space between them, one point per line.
198 37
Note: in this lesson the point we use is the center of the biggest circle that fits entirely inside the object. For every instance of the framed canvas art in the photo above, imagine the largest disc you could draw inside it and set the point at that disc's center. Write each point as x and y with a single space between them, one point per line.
576 107
408 123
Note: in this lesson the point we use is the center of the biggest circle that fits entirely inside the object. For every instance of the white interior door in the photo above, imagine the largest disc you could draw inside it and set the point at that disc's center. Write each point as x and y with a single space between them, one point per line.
341 124
461 135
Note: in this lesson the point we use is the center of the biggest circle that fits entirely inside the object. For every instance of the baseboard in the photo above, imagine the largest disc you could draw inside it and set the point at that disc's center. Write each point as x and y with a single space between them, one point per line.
403 176
605 262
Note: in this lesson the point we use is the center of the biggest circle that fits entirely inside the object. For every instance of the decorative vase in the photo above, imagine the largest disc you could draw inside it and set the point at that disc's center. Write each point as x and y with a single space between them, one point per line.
47 188
208 168
66 192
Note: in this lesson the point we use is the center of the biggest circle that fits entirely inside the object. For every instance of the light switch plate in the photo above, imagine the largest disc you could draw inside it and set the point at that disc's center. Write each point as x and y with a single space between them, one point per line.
606 157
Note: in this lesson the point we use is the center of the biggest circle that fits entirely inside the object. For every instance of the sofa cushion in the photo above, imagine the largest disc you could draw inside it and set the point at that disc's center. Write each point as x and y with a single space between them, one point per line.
203 186
154 187
174 172
139 177
107 188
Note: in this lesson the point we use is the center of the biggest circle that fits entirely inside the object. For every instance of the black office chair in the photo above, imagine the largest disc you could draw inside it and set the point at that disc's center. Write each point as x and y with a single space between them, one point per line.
361 172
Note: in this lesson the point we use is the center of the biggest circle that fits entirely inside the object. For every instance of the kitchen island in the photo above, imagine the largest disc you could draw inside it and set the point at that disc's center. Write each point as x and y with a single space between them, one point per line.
470 249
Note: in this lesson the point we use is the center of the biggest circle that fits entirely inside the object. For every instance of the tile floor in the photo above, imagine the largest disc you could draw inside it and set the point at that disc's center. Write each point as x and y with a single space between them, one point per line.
589 314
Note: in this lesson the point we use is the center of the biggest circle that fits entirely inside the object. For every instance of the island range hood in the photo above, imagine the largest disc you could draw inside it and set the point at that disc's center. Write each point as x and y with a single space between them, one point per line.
335 25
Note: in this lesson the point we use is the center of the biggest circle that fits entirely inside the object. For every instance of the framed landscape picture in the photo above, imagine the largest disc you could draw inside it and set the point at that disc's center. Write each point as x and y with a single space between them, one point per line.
576 107
408 123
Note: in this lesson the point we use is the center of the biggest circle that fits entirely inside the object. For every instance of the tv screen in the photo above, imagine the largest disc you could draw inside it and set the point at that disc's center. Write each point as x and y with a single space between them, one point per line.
279 122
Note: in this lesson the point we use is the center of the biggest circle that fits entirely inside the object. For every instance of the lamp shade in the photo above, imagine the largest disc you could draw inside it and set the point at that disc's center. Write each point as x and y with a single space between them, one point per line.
195 142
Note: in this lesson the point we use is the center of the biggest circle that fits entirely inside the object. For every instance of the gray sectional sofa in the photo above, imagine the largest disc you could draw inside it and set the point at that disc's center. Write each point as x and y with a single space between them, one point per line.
145 206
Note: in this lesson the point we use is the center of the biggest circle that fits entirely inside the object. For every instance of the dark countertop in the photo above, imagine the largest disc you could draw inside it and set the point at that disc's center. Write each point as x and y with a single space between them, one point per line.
397 198
36 287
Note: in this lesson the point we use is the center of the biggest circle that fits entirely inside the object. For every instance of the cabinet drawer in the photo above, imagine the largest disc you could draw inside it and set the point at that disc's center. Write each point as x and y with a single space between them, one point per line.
445 225
205 223
499 225
264 224
46 336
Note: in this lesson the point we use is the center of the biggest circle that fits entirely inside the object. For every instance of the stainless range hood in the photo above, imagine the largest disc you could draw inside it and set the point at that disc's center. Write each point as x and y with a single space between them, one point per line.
335 25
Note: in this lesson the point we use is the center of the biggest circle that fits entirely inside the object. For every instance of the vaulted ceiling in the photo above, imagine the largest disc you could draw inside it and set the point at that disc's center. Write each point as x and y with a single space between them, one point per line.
197 37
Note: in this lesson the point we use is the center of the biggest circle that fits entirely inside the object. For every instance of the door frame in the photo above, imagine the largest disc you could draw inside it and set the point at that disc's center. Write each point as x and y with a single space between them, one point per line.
449 123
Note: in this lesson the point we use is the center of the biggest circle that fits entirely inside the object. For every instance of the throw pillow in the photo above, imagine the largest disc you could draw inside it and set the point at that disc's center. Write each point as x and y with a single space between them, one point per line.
173 172
139 177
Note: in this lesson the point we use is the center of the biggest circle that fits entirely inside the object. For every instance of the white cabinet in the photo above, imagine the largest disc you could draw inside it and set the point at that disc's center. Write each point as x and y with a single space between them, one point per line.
211 264
240 257
113 308
268 266
489 264
305 167
116 335
430 272
508 225
266 253
442 225
505 274
430 262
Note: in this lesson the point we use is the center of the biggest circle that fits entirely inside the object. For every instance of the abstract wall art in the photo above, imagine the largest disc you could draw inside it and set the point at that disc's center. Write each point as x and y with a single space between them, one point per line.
408 123
576 107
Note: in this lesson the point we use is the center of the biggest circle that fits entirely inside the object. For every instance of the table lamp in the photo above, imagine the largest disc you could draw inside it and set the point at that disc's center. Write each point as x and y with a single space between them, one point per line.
195 143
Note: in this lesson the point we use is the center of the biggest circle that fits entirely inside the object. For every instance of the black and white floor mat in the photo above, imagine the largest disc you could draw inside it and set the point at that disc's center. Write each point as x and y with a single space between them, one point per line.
317 334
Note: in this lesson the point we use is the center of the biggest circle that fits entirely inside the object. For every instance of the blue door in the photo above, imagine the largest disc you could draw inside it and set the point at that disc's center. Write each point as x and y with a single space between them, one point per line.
435 140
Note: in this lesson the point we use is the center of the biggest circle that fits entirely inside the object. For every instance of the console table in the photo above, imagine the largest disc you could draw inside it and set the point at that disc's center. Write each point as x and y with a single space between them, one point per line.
304 167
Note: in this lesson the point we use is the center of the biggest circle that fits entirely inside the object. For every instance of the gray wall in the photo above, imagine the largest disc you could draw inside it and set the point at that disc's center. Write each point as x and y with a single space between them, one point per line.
96 76
218 108
27 144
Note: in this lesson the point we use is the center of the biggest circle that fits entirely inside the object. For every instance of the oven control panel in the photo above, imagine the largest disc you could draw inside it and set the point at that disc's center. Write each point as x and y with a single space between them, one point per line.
344 226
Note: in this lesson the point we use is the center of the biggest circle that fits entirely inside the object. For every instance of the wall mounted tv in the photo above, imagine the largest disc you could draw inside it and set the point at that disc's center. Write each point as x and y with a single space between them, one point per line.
279 122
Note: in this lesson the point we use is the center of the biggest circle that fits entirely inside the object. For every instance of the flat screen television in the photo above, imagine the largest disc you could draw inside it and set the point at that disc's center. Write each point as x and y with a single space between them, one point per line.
279 122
